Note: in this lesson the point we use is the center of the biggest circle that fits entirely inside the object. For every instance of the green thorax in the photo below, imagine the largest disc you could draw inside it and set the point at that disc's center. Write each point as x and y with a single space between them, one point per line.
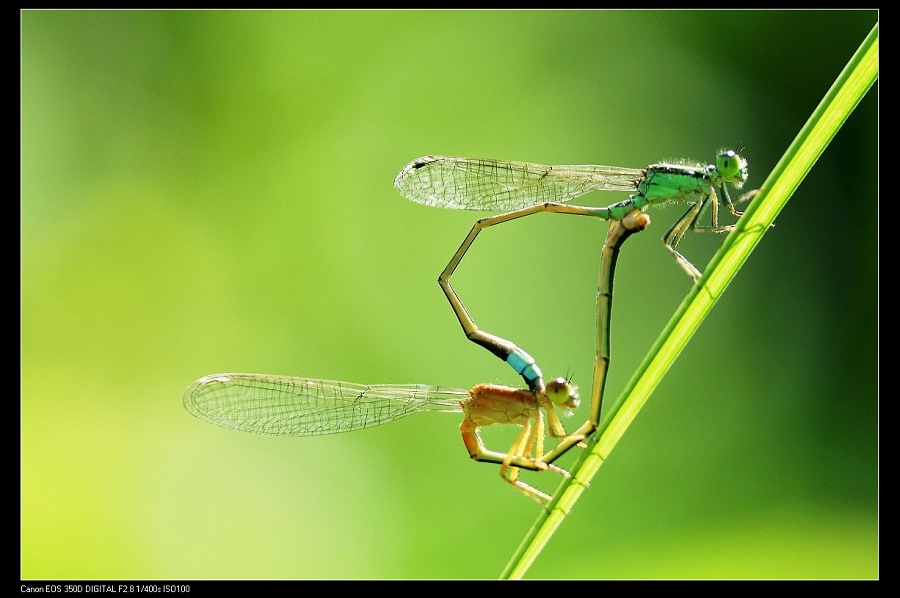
675 182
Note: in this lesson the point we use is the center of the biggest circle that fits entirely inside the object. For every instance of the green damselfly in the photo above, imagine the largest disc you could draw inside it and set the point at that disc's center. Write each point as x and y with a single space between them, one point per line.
524 188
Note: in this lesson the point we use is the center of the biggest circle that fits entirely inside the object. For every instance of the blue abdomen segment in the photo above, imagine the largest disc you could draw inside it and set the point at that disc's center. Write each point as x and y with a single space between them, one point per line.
519 360
524 365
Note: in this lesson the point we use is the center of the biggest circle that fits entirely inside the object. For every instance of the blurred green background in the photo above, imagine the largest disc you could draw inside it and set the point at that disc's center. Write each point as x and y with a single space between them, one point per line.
208 192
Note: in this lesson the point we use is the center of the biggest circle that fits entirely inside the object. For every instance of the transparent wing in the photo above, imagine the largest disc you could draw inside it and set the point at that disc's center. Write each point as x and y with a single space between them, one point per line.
499 186
288 406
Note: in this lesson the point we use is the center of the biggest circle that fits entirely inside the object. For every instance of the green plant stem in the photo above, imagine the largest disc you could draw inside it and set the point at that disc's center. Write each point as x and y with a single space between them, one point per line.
843 97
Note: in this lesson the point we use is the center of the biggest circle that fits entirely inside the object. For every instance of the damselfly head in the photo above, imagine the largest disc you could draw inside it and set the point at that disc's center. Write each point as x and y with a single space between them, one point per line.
731 168
563 393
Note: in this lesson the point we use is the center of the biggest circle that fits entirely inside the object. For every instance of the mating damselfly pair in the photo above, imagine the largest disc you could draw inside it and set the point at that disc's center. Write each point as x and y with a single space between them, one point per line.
294 406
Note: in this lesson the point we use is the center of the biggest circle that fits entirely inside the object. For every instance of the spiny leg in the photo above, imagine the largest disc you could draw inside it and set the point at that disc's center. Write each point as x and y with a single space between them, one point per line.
490 404
524 444
673 237
514 460
690 219
478 452
749 195
530 442
742 199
